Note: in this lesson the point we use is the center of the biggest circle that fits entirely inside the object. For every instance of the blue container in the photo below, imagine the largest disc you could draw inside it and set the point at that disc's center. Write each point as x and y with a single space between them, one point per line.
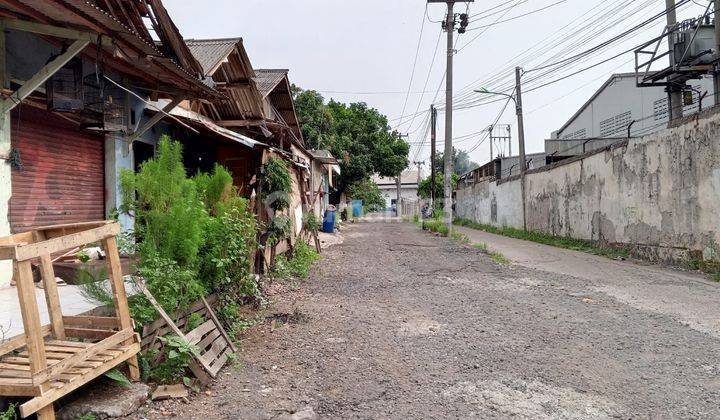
357 208
329 221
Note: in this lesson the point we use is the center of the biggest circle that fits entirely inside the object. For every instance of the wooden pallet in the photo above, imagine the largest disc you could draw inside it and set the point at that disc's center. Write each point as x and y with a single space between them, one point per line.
210 337
45 362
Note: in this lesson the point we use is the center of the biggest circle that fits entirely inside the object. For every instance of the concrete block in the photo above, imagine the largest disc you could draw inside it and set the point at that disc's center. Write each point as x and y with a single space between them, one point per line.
106 400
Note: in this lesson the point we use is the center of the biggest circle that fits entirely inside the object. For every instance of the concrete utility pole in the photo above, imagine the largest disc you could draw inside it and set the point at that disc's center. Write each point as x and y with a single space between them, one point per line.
419 164
449 26
433 128
716 75
675 109
490 130
447 185
521 141
398 183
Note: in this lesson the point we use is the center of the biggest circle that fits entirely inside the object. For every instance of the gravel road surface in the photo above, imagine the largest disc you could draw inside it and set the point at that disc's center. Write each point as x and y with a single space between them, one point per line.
397 323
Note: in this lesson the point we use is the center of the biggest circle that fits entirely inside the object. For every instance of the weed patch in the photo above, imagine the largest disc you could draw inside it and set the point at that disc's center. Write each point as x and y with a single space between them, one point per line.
543 238
482 246
297 265
499 258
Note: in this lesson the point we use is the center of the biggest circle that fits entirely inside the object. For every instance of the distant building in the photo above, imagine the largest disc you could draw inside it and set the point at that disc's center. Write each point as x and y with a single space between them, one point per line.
619 102
408 186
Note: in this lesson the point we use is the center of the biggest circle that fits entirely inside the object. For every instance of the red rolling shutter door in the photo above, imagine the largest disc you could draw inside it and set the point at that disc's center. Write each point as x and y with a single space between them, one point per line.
62 179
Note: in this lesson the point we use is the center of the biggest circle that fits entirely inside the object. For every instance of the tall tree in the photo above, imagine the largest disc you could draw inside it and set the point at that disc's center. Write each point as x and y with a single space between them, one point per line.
462 163
358 135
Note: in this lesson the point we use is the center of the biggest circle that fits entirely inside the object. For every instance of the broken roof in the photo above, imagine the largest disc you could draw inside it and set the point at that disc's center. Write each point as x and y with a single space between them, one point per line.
167 65
274 86
227 63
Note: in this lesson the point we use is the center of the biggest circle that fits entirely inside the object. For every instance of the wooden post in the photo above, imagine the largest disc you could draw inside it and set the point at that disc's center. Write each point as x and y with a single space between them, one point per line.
120 297
30 316
52 298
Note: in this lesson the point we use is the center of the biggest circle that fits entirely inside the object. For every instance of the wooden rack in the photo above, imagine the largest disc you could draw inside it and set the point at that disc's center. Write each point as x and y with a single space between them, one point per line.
48 362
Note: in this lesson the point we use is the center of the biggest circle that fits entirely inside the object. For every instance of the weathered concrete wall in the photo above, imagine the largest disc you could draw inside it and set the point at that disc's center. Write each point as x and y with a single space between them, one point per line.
660 193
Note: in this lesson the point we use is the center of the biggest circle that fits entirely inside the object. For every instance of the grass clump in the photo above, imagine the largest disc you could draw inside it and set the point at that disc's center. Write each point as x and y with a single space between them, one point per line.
436 226
499 258
459 237
546 239
296 265
482 246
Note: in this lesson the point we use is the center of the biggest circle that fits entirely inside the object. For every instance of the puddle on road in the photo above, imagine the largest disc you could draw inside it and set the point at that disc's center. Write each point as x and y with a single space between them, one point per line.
534 400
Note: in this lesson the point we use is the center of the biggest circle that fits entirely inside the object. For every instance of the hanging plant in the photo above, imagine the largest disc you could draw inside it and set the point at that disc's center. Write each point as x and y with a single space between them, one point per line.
14 159
278 184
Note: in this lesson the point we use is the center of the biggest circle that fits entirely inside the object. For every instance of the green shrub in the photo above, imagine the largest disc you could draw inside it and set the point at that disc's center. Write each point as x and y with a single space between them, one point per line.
367 191
279 228
169 214
171 365
214 189
311 222
278 183
298 265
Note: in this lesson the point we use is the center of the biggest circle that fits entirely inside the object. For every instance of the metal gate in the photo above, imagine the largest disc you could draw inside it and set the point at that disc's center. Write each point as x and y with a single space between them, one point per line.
60 178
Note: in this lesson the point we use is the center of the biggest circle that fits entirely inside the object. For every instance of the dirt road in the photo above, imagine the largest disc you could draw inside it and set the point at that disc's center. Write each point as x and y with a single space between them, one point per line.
395 323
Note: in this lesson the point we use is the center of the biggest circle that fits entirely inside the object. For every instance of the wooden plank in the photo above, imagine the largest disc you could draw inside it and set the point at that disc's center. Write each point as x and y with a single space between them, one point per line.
83 355
10 366
87 333
30 316
20 390
219 325
194 336
208 340
122 309
92 322
51 395
18 341
55 231
14 373
68 343
61 243
219 362
52 298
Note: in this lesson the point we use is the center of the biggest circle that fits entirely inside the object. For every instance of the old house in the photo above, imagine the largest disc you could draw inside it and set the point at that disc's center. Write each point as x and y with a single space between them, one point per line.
71 73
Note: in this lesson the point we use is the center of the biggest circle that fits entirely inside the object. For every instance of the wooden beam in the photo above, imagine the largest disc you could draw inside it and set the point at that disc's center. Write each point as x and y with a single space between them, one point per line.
41 77
154 120
239 123
57 31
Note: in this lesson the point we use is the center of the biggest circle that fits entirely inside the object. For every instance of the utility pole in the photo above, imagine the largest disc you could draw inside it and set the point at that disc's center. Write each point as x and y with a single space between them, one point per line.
716 74
674 92
521 141
449 26
419 164
490 129
433 127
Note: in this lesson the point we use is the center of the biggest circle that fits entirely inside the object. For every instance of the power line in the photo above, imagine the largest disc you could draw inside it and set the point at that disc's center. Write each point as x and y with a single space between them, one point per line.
518 16
417 53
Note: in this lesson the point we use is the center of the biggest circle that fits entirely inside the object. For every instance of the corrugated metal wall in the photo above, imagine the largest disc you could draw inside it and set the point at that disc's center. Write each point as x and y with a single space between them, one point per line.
62 178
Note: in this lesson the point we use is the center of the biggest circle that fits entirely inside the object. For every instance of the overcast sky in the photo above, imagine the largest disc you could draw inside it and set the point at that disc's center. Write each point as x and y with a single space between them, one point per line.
363 50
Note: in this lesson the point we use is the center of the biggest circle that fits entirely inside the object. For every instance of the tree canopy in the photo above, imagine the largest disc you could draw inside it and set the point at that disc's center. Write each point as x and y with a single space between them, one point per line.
462 163
357 135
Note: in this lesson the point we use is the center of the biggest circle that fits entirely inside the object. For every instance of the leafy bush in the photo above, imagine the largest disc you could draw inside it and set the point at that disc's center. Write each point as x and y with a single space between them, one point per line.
173 361
367 191
311 222
298 265
278 183
169 214
214 189
279 228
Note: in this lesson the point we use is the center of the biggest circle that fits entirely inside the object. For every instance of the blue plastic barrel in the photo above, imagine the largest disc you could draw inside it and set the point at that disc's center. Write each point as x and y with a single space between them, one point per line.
329 221
357 208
